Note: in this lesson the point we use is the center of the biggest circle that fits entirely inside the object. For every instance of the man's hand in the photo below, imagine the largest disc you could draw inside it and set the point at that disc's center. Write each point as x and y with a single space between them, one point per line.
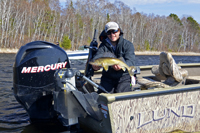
116 67
96 67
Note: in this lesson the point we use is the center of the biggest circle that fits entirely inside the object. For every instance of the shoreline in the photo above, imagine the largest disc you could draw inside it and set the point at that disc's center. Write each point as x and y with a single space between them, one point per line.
14 51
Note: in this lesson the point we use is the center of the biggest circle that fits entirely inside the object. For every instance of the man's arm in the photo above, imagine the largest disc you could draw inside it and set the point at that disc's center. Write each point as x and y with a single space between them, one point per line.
129 55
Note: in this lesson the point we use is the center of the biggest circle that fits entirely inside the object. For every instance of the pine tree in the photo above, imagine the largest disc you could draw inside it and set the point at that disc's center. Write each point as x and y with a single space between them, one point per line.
193 23
176 18
66 43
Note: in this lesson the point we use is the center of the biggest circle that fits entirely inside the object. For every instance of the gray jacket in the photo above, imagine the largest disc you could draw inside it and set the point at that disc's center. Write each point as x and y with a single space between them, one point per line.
124 48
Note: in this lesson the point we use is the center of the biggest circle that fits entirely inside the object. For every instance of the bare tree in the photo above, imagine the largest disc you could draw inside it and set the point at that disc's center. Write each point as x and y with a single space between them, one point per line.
29 20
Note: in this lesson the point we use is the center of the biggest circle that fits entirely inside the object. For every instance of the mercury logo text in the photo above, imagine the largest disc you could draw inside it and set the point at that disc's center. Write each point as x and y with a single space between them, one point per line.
37 69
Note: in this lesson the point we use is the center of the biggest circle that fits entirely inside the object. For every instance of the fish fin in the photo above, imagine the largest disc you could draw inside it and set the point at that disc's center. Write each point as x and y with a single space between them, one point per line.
109 54
122 59
124 69
105 66
131 70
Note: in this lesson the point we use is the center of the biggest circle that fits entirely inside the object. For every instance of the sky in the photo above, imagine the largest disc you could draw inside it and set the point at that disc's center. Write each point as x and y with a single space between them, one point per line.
182 8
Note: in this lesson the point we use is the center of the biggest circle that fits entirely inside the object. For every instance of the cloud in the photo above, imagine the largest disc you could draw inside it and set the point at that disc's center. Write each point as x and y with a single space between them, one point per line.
62 1
194 1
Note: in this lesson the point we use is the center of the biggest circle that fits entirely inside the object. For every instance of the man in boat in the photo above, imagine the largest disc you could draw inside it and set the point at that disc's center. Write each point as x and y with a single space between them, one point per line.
115 79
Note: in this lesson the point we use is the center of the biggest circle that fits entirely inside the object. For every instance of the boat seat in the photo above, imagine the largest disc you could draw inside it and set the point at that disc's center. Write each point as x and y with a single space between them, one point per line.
193 80
167 70
148 83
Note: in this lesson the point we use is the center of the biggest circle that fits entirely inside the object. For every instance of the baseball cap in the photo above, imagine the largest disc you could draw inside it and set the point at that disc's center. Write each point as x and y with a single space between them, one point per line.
111 26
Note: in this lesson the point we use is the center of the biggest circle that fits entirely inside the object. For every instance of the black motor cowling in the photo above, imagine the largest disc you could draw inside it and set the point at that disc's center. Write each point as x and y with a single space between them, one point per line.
33 77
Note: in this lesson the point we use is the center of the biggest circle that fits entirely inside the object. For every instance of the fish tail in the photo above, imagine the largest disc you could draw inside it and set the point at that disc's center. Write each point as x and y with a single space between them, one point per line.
131 70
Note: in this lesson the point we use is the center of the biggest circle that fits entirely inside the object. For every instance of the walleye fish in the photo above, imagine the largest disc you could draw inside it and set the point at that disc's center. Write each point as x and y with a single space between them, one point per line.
105 62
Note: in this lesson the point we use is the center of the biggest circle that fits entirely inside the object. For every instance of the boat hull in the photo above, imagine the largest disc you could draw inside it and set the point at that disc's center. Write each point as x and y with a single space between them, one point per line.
150 110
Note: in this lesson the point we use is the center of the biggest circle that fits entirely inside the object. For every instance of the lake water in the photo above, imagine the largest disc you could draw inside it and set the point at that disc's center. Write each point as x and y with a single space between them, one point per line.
13 117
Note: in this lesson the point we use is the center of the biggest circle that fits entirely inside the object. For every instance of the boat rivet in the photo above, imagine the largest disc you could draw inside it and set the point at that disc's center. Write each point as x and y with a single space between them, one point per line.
131 118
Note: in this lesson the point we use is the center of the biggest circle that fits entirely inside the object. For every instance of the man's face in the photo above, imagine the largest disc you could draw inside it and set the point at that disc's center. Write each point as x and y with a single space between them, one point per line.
113 35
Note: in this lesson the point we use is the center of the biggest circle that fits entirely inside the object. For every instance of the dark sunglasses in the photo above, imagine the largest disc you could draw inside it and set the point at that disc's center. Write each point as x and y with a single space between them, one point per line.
112 31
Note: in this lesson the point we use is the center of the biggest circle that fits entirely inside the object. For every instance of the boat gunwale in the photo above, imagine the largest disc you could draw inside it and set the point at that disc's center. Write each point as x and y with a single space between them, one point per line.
148 93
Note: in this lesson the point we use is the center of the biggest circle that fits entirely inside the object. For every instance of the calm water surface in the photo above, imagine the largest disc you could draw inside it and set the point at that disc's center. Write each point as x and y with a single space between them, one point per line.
13 117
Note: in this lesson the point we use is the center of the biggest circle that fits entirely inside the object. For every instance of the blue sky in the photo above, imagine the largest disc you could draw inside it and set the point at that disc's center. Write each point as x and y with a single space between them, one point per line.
165 7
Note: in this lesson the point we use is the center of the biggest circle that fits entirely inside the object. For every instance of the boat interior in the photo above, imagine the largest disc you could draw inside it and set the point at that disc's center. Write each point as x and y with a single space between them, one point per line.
166 74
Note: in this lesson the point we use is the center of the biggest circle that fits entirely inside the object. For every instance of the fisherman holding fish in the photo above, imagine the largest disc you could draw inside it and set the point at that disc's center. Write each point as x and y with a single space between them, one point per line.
116 55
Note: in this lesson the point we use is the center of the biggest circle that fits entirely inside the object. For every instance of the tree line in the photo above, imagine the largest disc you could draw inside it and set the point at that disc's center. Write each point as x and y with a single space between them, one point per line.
73 25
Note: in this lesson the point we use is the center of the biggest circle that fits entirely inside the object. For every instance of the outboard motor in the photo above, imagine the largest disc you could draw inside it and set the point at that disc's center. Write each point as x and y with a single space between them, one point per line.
45 85
33 78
